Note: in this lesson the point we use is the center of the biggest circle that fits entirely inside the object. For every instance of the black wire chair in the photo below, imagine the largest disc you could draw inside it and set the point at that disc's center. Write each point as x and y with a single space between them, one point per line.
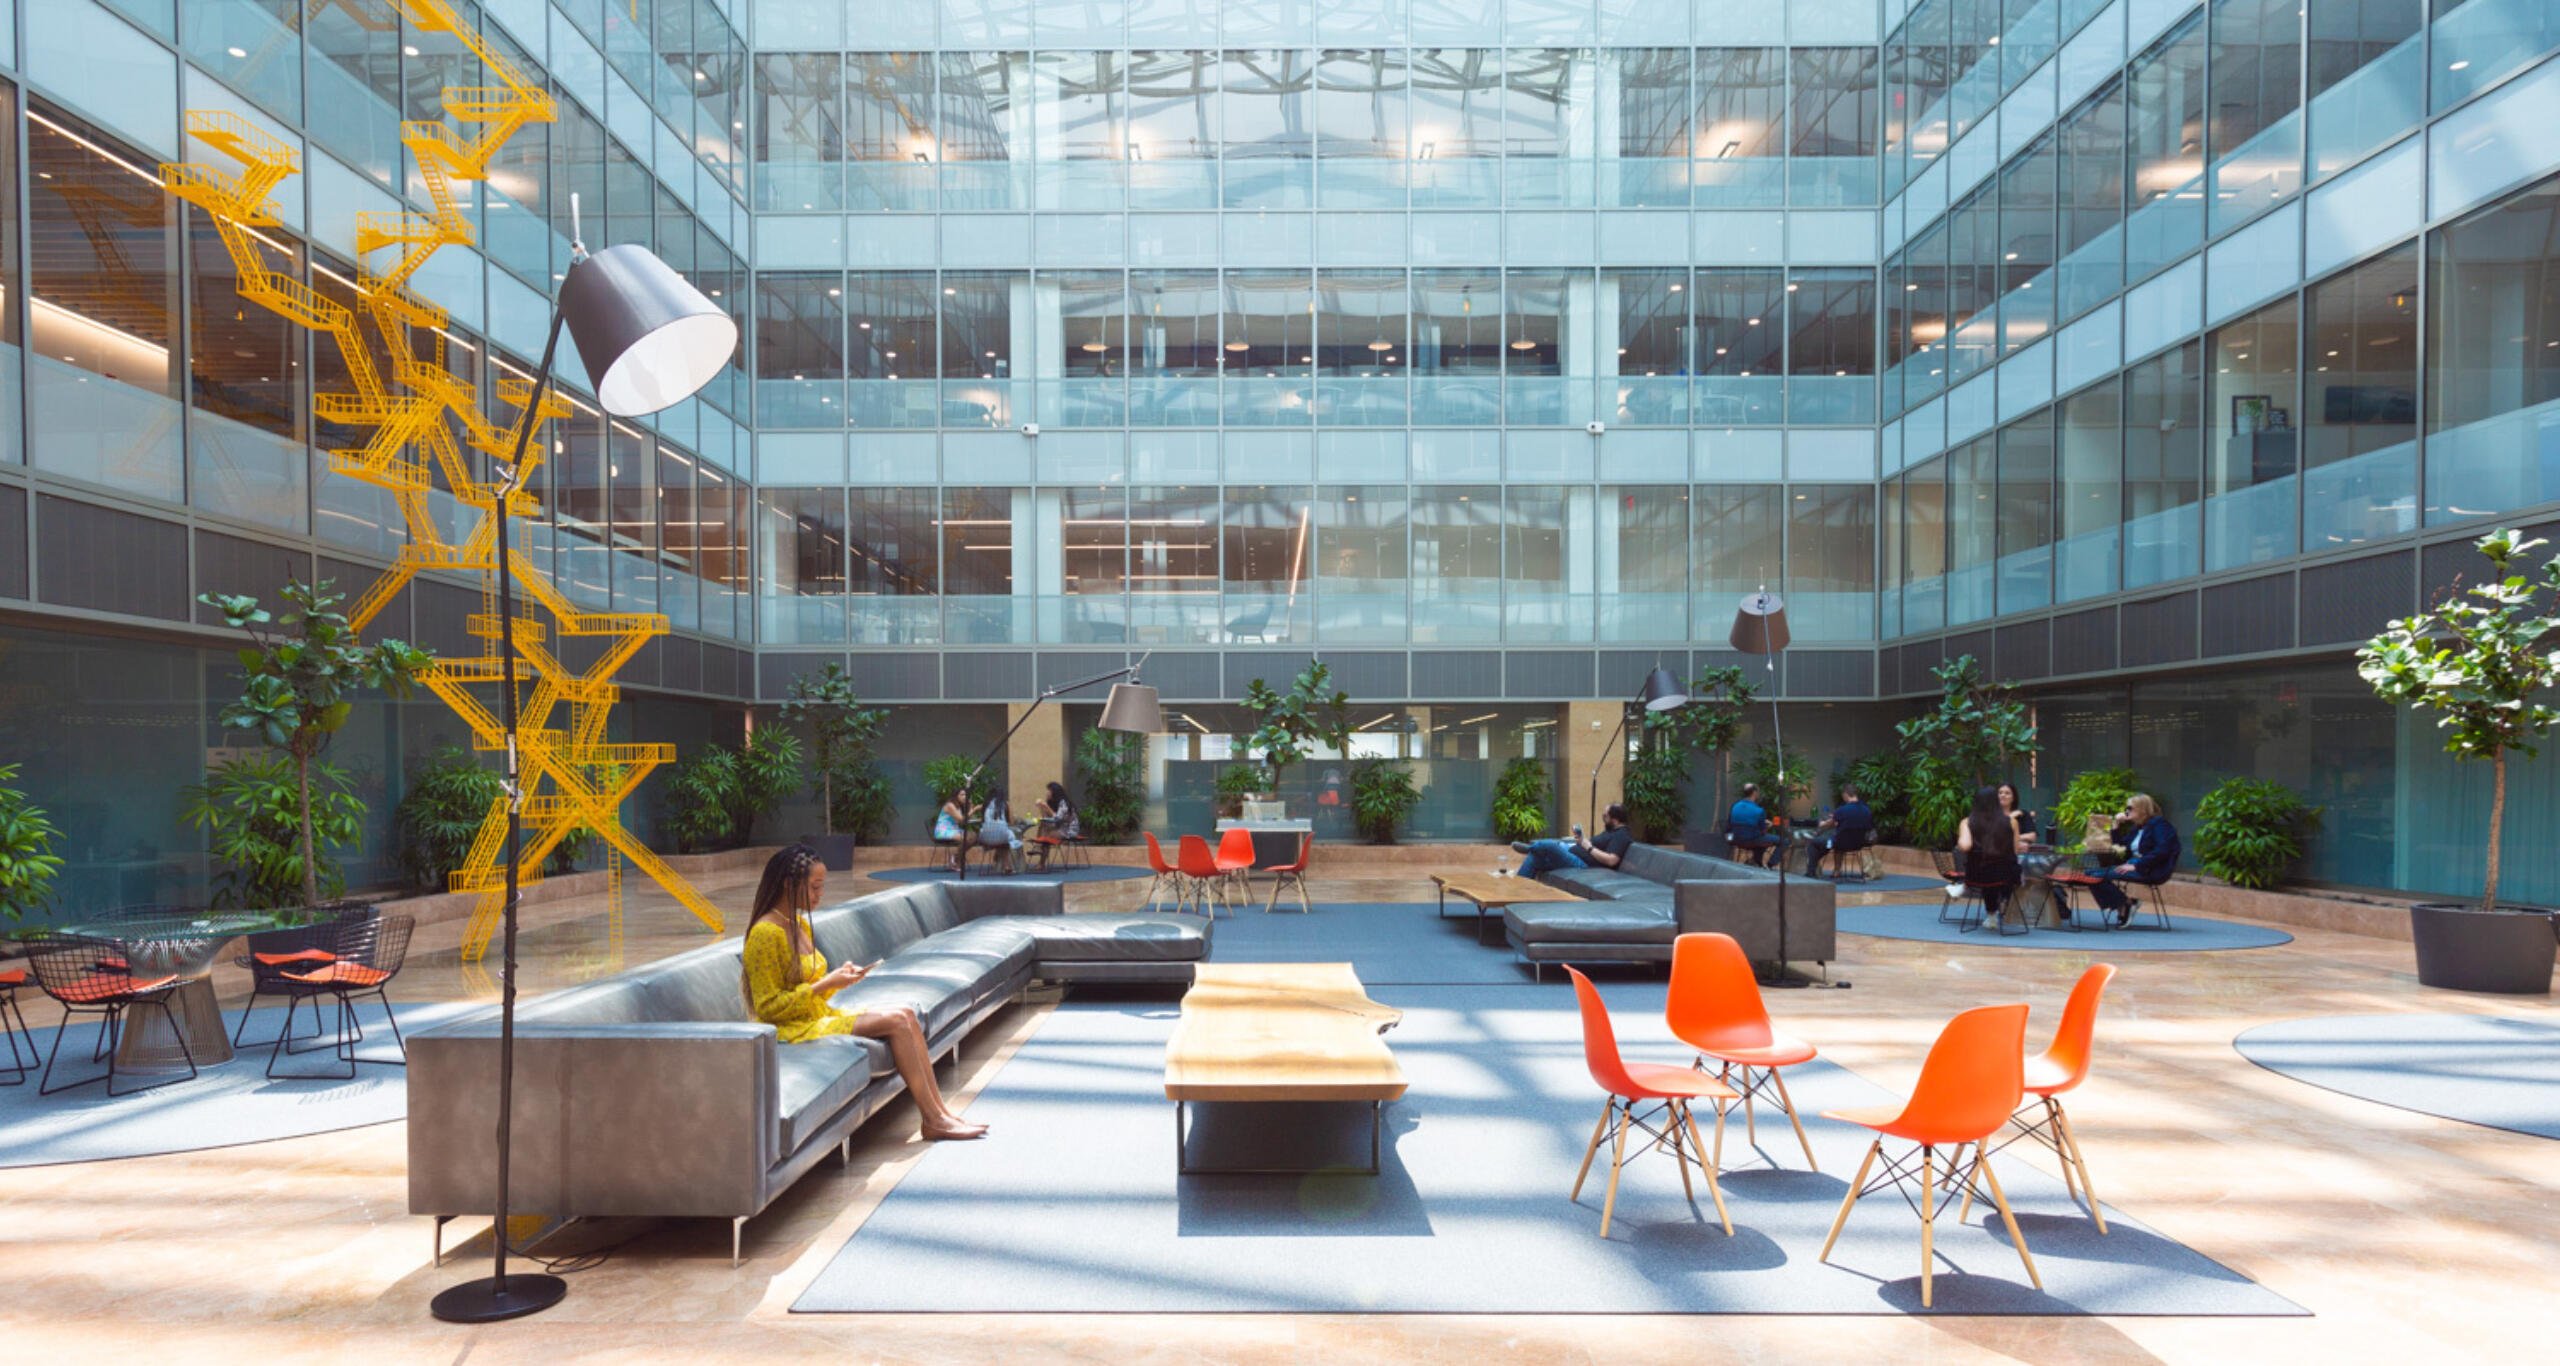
366 954
270 954
89 976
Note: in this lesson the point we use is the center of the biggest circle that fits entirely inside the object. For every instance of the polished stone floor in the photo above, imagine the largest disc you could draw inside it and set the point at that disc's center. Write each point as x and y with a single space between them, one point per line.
2408 1238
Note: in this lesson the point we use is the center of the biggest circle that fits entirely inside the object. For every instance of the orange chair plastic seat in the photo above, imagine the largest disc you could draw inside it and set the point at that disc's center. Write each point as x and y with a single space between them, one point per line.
1780 1051
1659 1081
342 974
2047 1078
93 991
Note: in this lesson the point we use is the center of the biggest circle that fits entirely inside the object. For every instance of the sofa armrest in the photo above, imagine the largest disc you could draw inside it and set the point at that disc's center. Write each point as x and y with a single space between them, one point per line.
670 1118
977 900
1748 911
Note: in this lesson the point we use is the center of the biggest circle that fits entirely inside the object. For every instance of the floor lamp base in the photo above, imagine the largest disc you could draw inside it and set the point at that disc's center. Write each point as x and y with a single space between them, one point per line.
490 1300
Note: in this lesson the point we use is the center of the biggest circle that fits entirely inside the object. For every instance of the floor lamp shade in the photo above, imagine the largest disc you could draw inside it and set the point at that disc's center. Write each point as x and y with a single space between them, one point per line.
1133 708
649 339
1760 626
1661 691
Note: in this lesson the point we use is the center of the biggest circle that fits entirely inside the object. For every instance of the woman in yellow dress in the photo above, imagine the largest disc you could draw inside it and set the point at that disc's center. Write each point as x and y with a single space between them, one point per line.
789 983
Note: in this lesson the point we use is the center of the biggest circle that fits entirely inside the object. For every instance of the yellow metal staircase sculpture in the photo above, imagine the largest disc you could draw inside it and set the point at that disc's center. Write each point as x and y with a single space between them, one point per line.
420 419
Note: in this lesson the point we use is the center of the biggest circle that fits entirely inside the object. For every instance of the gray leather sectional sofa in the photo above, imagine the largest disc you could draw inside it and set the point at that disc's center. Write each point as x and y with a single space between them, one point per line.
1632 912
653 1093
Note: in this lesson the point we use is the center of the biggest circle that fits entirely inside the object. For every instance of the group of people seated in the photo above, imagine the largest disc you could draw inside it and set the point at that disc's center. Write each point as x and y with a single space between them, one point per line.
1757 836
2135 845
963 825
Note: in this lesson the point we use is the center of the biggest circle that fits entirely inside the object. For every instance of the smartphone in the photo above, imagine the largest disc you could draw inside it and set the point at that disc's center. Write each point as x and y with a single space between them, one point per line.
1577 832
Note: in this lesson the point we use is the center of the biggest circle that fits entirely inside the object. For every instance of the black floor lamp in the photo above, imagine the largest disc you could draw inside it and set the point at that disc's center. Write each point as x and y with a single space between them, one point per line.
649 341
1760 628
1133 708
1661 692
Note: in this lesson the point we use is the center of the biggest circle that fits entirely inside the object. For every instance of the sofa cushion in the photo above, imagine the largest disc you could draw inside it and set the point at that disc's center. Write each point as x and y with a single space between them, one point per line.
997 947
706 984
1590 922
874 926
821 1077
1116 938
941 987
615 1000
1604 884
1666 866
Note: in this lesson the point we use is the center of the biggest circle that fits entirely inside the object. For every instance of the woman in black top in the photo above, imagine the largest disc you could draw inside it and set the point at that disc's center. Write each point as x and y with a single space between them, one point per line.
2021 820
1989 844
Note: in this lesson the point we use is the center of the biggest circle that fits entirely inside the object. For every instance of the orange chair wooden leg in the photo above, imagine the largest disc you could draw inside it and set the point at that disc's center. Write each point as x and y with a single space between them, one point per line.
1856 1184
1597 1132
1617 1161
2071 1138
1679 1153
2011 1220
1781 1078
1929 1201
1715 1188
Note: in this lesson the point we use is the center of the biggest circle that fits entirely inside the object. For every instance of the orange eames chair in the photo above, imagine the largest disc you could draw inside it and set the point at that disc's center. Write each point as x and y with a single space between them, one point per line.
1293 875
1715 1008
1235 861
1630 1082
2062 1066
1202 878
1166 875
1968 1088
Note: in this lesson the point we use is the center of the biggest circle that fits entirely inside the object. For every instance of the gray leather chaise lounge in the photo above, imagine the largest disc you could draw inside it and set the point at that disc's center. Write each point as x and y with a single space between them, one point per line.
1632 912
652 1093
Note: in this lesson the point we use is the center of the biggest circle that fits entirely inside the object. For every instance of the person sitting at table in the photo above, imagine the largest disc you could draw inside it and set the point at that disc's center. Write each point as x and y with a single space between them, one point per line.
2021 819
1853 827
789 986
1746 828
951 827
996 834
1607 851
2150 856
1054 823
1987 844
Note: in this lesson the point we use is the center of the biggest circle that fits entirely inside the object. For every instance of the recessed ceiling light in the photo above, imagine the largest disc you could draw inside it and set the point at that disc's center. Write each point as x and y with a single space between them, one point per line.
237 51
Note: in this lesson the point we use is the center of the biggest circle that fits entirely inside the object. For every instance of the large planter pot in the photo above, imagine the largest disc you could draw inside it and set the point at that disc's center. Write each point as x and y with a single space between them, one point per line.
835 851
2464 948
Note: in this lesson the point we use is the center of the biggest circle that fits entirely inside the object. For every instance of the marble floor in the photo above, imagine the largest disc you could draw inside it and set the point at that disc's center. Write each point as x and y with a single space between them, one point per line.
2408 1238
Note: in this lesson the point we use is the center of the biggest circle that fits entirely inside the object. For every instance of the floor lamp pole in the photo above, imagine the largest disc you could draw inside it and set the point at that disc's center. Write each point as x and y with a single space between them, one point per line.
1603 762
1007 738
1786 846
502 1296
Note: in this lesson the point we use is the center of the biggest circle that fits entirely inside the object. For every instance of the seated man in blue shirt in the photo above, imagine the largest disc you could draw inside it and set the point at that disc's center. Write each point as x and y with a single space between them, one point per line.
1747 829
1852 826
1545 856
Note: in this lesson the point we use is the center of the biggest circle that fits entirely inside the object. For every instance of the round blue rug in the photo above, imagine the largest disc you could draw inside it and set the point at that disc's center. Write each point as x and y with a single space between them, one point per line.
2186 933
2479 1069
1099 872
225 1105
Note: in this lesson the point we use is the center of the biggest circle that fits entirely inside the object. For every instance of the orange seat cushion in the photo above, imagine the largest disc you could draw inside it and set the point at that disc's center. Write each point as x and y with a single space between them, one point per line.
297 956
90 991
1780 1051
1657 1081
342 974
13 977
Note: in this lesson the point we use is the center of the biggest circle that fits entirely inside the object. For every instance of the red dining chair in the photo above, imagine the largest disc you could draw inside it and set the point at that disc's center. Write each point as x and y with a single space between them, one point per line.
1235 861
1293 875
1968 1088
2062 1066
1166 875
1714 1007
1203 881
1629 1082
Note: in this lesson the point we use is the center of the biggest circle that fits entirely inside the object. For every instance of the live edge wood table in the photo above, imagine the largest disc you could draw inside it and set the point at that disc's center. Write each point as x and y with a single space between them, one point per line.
1279 1032
1490 893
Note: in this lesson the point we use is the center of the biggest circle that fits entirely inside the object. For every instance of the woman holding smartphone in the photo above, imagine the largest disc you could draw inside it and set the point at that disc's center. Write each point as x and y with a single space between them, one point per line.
789 985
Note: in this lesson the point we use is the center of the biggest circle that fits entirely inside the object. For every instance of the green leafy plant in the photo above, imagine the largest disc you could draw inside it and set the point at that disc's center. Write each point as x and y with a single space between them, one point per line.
1520 796
448 798
299 675
273 826
1780 789
1112 769
1711 720
719 794
1239 783
1291 724
2250 830
1657 781
852 793
1972 736
28 864
1884 781
2480 661
2091 792
944 776
1383 794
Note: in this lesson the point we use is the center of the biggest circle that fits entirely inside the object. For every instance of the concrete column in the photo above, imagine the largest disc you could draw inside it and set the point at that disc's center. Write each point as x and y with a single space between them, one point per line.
1035 757
1587 727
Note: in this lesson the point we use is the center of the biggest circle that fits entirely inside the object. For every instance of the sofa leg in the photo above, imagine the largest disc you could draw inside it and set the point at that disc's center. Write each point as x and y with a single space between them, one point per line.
737 1237
441 1221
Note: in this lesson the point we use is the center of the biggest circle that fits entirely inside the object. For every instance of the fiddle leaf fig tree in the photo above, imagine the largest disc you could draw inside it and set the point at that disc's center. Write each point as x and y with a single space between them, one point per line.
2479 661
299 676
851 793
1292 723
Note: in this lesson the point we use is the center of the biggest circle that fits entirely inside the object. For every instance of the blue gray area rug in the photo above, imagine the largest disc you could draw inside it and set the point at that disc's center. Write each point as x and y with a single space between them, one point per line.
1387 943
1073 1204
1099 872
223 1106
2479 1069
2186 933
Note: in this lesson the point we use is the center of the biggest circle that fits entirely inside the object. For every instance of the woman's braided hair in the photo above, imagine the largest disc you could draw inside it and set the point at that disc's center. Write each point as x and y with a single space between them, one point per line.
778 894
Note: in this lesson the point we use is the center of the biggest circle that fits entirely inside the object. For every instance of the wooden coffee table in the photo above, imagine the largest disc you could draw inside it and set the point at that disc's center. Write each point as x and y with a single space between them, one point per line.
1267 1032
1490 893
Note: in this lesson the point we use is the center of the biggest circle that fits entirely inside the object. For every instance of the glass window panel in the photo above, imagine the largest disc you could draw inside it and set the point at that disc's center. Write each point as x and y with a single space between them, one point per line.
1457 99
2090 504
892 316
2360 412
2027 458
892 539
630 198
577 176
1270 323
632 512
1924 300
245 362
2254 450
268 67
2367 69
2493 354
800 349
1361 321
1739 137
1651 352
2163 466
1973 275
799 136
1833 114
1652 117
2027 242
1082 106
1740 345
1360 560
1173 106
1736 544
1927 72
1360 104
982 124
1924 546
802 573
2257 87
355 88
1265 99
2091 195
1267 542
889 130
1177 322
978 543
1457 346
1095 540
2165 123
1539 543
1456 562
1831 561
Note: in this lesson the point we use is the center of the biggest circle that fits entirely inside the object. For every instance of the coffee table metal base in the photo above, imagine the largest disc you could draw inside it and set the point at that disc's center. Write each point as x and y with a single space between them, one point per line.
1182 1148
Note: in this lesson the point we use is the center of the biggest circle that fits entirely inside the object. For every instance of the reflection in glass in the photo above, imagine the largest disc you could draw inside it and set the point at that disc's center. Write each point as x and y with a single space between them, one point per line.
2163 466
2493 355
2254 408
2360 407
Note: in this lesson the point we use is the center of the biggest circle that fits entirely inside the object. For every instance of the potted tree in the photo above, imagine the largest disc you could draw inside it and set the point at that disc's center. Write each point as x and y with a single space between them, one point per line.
1293 723
1383 794
2480 660
1965 742
1708 723
851 792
